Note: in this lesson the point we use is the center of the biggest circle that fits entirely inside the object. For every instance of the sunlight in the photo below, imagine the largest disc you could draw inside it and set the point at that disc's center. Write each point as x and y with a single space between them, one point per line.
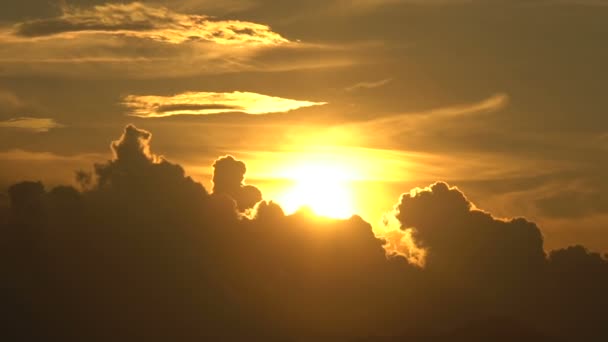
321 186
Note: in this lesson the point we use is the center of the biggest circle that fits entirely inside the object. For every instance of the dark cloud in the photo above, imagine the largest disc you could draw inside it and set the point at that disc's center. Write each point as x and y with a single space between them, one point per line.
228 178
145 253
460 238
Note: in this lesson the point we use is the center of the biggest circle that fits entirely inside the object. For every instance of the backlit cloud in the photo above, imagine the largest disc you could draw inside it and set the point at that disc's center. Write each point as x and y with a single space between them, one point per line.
204 103
138 40
147 22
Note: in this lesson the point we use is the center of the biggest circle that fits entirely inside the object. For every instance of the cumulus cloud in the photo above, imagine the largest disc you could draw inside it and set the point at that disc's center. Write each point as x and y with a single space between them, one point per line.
204 103
146 253
147 22
37 125
228 178
458 237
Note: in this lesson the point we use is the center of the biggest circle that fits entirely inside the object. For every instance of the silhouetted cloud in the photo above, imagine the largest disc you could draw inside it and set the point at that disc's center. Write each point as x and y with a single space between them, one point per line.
145 252
204 103
228 179
459 238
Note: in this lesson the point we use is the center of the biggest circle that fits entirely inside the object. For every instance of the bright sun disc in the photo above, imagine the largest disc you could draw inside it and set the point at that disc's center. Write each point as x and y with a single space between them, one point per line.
324 188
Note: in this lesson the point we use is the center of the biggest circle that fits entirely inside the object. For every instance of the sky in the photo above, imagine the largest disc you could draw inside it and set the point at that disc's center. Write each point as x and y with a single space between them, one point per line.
304 170
503 99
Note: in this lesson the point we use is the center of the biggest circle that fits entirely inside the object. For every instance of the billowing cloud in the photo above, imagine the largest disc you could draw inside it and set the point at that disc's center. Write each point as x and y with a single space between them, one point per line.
147 22
37 125
462 237
204 103
228 179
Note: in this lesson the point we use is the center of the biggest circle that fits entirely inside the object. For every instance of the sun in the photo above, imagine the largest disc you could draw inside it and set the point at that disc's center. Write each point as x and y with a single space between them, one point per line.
321 186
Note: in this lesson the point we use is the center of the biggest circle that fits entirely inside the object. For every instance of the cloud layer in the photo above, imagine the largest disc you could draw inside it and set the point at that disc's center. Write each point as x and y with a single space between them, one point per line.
145 252
204 103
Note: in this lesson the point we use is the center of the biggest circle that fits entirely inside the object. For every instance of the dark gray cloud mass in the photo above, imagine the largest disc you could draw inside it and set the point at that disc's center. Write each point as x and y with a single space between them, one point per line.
228 177
146 253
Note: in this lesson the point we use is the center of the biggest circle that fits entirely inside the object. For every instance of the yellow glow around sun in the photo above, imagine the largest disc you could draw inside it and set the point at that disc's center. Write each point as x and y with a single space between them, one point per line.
321 186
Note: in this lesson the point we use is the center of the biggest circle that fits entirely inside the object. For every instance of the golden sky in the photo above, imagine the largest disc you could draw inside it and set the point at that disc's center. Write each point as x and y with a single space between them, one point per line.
337 105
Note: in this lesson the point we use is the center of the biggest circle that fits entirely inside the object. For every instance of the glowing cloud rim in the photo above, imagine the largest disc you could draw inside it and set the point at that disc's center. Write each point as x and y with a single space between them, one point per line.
143 21
206 103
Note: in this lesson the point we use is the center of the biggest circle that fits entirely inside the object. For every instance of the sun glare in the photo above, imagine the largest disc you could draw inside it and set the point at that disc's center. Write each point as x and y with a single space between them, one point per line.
322 187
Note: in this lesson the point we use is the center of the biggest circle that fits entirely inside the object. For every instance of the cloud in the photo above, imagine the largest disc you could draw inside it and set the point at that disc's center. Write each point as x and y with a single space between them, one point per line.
9 101
37 125
396 122
144 40
433 123
228 177
590 3
13 115
139 20
138 40
463 238
147 253
366 5
573 203
368 85
205 103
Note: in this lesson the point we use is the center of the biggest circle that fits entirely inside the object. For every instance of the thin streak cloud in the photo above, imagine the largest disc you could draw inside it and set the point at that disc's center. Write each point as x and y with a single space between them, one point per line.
368 85
398 123
205 103
37 125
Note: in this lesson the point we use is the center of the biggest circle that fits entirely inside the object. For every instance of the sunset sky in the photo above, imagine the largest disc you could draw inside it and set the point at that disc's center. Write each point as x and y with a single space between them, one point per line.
349 102
314 170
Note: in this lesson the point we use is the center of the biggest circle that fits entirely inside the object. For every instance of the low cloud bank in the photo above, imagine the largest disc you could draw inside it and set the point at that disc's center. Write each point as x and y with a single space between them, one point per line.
143 252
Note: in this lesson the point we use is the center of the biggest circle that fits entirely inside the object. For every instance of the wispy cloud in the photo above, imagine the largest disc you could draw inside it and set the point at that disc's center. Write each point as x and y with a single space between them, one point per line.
9 101
368 85
366 5
204 103
37 125
139 40
400 122
147 22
